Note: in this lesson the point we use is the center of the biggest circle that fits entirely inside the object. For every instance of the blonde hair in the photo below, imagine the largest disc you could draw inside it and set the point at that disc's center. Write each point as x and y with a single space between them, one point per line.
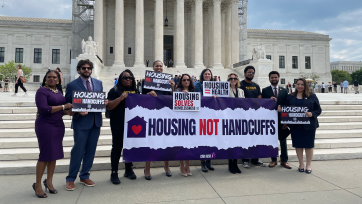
237 81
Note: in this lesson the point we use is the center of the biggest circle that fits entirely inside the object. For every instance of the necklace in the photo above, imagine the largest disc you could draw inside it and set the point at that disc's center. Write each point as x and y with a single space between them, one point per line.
54 91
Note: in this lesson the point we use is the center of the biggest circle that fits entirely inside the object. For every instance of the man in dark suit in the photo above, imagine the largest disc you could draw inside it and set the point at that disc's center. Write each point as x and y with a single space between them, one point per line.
86 127
279 94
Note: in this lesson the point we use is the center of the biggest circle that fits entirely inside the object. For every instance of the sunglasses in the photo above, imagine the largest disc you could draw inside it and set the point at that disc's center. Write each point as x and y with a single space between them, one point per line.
89 68
250 73
127 77
185 79
230 79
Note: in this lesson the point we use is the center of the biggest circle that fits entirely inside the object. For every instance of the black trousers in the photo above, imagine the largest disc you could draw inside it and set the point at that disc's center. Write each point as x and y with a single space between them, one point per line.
323 90
21 86
117 146
283 152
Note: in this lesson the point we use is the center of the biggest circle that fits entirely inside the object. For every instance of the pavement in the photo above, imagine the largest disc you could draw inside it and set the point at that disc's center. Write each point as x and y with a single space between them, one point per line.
336 181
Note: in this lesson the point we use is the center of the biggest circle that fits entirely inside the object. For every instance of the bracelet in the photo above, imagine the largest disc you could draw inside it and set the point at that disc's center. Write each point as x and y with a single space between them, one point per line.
63 107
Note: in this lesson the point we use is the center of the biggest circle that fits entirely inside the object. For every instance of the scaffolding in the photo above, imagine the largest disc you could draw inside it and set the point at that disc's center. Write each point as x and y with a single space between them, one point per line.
243 29
82 24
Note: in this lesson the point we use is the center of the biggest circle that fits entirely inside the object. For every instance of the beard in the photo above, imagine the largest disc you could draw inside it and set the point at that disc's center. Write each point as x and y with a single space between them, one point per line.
274 83
250 79
84 75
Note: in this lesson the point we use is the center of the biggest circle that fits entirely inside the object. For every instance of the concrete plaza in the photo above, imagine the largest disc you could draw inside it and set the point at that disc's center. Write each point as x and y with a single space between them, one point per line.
330 182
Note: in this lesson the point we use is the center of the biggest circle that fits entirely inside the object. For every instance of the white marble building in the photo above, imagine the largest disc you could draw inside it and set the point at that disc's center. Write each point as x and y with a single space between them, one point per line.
294 53
349 66
40 44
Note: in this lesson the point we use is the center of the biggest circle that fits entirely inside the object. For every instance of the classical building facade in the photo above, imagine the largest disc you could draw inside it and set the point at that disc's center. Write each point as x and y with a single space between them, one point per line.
349 66
39 43
200 33
294 53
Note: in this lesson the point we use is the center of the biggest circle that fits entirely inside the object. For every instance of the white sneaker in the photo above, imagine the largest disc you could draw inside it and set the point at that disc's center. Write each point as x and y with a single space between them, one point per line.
246 165
26 95
14 95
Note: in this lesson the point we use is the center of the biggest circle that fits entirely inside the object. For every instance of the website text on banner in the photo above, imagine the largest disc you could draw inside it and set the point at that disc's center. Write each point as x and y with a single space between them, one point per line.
157 81
216 88
224 128
88 101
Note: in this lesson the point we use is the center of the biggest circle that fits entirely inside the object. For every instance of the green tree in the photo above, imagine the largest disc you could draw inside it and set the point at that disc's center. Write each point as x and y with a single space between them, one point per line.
339 76
312 76
9 70
357 75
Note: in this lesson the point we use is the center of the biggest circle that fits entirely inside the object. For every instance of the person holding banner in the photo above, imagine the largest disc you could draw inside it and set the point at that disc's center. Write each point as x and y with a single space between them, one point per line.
86 127
49 129
206 75
235 92
303 135
185 85
279 94
116 96
157 67
251 90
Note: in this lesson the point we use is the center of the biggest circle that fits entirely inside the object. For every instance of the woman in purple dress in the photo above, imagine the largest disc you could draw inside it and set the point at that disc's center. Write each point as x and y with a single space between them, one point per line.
49 129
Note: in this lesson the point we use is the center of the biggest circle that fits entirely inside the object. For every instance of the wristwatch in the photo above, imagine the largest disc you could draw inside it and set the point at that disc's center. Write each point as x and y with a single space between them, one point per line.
63 107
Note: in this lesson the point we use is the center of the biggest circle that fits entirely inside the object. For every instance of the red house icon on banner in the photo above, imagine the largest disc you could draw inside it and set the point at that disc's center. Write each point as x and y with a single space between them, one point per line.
136 128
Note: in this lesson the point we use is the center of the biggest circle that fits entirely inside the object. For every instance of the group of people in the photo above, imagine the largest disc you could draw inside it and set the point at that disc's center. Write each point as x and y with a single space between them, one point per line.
52 105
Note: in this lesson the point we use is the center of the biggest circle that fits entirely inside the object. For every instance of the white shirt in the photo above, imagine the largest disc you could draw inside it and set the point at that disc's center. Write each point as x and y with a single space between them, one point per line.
316 86
273 87
323 86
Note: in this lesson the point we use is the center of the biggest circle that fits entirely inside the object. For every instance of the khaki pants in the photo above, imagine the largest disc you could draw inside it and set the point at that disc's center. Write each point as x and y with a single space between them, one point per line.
356 88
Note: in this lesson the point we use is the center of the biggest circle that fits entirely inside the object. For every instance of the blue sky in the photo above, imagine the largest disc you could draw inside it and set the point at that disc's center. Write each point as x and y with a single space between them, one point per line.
340 19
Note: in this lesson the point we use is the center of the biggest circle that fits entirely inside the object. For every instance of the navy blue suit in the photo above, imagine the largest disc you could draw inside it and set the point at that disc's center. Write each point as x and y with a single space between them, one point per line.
86 131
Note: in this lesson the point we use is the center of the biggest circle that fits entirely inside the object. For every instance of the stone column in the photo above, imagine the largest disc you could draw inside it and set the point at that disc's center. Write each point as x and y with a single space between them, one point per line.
140 34
205 35
119 35
174 32
99 26
217 35
211 35
192 25
158 45
199 52
234 32
180 41
227 37
9 50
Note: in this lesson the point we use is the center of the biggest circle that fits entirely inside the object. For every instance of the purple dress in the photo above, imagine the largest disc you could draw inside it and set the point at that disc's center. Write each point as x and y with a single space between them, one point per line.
49 127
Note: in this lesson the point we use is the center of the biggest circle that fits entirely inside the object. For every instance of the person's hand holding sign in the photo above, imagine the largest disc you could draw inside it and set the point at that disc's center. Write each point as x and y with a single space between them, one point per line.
124 96
279 108
106 102
309 114
274 98
152 93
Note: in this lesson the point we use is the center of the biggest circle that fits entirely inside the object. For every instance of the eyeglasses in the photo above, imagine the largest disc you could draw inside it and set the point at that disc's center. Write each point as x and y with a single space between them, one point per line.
127 77
89 68
185 79
250 73
235 79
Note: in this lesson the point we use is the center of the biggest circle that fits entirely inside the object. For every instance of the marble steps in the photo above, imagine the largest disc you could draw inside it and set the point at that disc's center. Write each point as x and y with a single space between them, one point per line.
103 163
31 124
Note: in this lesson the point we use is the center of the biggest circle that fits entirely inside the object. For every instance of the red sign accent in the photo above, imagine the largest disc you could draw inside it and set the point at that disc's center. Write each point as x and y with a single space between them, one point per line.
207 91
136 129
284 114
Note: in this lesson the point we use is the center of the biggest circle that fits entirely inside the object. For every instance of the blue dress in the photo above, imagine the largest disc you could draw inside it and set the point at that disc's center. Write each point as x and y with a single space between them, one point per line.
300 137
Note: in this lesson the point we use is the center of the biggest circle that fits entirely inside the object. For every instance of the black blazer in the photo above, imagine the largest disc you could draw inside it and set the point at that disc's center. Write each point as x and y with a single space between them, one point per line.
314 107
268 92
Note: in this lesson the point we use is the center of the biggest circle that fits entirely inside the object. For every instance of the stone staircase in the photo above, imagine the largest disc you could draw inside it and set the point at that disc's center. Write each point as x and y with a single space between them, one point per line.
339 137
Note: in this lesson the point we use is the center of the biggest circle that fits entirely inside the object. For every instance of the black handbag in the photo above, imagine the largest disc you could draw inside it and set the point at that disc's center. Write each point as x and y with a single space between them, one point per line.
283 134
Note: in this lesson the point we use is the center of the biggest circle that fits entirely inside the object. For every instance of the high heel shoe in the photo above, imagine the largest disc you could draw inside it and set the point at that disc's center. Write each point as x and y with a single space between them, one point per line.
39 196
189 174
185 175
147 177
168 174
46 187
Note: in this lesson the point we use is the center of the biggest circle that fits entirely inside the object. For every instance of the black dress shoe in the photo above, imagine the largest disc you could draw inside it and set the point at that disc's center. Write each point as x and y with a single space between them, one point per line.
203 166
231 167
300 170
130 174
147 177
308 171
209 166
168 174
235 163
114 179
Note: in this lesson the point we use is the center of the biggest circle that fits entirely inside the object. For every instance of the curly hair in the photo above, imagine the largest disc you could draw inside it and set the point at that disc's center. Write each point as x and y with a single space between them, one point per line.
191 87
83 62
